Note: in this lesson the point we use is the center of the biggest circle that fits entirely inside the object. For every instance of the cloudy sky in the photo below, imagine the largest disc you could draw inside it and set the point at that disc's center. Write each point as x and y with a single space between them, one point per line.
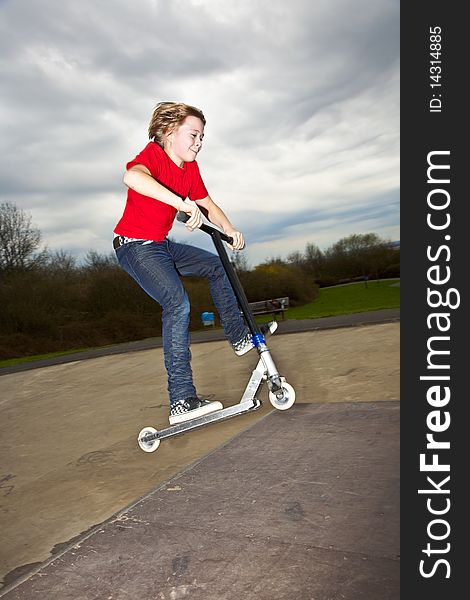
301 99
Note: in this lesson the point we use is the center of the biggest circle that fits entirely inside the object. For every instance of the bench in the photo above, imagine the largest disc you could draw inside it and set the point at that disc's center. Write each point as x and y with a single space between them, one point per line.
274 306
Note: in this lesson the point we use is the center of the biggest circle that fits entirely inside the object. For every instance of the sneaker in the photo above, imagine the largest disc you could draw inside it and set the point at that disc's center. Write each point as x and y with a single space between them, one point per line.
246 343
191 408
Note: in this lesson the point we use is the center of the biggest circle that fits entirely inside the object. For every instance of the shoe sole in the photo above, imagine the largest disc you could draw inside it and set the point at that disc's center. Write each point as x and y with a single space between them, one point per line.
197 412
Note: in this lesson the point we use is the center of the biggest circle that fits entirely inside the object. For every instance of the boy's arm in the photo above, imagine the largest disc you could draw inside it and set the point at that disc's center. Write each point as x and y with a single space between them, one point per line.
139 179
217 216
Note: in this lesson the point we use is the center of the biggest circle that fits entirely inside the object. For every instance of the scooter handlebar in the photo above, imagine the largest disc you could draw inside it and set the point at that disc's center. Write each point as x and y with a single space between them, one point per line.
183 217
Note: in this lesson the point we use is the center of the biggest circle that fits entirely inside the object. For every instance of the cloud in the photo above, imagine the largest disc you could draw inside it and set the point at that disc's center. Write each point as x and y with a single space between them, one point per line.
301 100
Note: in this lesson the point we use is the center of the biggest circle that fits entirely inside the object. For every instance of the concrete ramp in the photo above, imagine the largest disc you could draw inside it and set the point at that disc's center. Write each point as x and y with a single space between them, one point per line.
304 505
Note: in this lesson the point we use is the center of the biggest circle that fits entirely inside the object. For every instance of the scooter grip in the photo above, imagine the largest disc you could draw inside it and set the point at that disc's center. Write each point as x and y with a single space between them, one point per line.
183 217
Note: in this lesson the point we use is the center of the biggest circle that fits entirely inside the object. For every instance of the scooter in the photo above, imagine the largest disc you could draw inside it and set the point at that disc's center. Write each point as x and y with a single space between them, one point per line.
281 394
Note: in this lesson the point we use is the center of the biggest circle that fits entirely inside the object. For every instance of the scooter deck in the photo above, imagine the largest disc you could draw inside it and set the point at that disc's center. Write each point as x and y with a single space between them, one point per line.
220 415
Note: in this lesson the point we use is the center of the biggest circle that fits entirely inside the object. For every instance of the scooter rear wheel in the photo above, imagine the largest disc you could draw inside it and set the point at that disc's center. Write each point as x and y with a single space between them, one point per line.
148 446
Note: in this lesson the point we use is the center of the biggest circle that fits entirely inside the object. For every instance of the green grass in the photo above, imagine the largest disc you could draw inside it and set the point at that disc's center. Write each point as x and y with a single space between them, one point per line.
9 362
333 301
350 298
346 299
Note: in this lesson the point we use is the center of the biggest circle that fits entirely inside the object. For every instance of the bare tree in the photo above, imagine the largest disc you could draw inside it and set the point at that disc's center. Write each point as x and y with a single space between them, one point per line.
19 239
96 261
61 261
240 261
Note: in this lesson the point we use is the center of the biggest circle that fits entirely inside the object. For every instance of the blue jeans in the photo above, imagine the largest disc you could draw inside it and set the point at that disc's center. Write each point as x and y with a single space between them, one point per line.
156 267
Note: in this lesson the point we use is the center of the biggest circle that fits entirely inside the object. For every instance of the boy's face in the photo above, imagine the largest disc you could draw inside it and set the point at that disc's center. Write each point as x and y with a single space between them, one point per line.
184 142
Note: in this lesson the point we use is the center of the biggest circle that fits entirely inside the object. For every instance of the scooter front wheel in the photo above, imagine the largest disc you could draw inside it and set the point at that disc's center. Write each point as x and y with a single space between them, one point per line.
283 398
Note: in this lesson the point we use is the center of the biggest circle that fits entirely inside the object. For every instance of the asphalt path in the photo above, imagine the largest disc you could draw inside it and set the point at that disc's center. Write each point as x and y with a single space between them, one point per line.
388 315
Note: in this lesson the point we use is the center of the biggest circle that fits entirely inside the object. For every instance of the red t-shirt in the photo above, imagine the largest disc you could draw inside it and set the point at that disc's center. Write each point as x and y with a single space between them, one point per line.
147 218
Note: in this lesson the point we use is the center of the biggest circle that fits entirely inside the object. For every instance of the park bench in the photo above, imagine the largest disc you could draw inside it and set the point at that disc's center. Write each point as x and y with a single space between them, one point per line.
273 306
262 307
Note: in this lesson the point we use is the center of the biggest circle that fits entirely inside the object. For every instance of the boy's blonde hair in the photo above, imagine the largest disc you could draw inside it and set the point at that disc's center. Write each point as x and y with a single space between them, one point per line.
167 116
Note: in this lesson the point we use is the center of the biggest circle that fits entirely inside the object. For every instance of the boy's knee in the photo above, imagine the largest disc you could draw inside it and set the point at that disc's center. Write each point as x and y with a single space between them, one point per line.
215 265
180 303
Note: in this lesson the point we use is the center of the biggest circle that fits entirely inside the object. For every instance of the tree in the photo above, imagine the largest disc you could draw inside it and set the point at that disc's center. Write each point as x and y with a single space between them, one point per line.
357 254
275 279
239 262
311 262
61 261
357 243
19 239
296 258
100 262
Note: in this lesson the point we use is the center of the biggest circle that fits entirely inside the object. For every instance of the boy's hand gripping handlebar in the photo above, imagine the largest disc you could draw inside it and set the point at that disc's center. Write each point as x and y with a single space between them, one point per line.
183 217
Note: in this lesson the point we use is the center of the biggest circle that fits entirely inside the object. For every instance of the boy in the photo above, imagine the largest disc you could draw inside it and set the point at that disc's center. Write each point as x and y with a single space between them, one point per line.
162 179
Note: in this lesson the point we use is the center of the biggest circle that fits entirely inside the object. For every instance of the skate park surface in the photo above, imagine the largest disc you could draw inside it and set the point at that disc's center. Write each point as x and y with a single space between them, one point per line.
301 504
